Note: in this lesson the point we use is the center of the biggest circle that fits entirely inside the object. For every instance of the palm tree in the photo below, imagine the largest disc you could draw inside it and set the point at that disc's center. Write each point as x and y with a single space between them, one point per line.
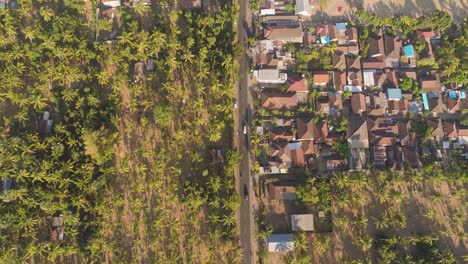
364 243
300 242
445 257
381 222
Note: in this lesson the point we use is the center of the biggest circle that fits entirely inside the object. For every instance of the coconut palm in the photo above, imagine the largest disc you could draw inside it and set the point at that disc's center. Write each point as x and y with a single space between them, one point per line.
364 243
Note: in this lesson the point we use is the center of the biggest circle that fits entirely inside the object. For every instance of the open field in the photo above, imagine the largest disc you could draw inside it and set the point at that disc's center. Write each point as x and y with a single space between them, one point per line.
413 8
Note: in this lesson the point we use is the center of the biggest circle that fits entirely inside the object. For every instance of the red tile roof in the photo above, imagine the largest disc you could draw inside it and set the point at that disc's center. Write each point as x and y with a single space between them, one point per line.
297 83
321 77
279 100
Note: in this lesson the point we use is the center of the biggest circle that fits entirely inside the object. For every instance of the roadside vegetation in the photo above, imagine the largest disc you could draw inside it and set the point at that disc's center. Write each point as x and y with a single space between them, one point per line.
128 162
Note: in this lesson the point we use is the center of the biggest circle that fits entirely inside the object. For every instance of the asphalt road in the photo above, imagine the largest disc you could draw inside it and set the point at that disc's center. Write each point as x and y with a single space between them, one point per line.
244 108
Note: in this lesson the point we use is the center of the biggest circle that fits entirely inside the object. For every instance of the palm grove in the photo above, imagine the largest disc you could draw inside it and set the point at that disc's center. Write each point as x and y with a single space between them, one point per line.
125 163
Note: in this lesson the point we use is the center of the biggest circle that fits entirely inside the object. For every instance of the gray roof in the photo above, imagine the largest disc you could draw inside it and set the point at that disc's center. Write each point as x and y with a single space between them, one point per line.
280 242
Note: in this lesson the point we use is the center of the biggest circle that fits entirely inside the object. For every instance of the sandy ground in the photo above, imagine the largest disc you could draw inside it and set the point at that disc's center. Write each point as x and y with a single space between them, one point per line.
457 8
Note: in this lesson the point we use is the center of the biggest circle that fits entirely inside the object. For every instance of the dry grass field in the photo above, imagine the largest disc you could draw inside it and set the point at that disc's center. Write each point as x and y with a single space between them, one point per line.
414 8
413 216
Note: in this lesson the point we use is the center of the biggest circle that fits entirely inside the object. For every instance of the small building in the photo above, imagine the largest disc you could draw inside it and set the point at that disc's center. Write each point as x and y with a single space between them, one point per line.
283 28
282 190
2 3
358 103
56 231
279 100
394 94
110 3
280 242
302 222
271 76
321 78
7 185
303 8
44 126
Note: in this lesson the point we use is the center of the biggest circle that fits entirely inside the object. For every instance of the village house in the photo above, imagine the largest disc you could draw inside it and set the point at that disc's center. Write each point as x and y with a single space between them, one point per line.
430 83
281 134
339 80
376 45
336 162
339 60
432 102
393 49
358 103
44 126
280 242
285 190
279 100
321 78
307 129
270 76
110 3
283 28
303 8
376 104
335 101
302 222
56 230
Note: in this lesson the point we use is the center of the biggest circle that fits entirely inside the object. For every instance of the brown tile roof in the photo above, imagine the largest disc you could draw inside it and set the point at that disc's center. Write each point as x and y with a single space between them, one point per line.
339 61
332 31
276 189
374 63
281 151
430 83
297 156
339 80
358 103
462 131
404 134
336 162
292 32
355 77
309 147
453 104
306 129
436 105
437 128
427 34
321 30
377 105
450 129
376 44
321 77
335 101
279 100
309 39
353 62
358 136
281 134
411 157
351 33
297 83
393 46
264 58
322 104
